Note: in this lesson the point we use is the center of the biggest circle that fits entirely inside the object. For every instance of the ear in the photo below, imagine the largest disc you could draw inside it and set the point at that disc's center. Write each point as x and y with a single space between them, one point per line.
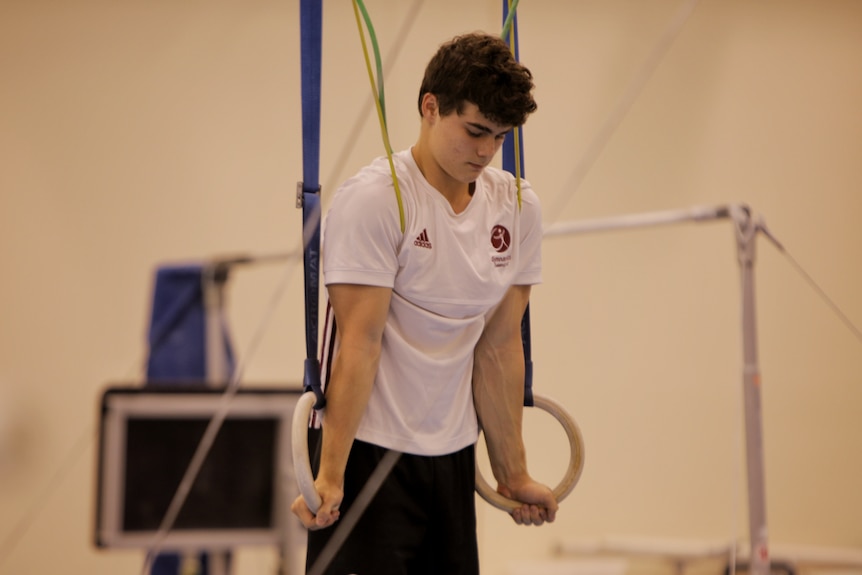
429 106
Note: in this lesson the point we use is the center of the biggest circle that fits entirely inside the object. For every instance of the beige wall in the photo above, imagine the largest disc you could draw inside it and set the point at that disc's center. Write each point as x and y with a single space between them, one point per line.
138 133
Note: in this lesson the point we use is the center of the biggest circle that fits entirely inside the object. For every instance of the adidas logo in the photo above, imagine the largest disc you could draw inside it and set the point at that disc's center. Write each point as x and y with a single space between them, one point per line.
422 240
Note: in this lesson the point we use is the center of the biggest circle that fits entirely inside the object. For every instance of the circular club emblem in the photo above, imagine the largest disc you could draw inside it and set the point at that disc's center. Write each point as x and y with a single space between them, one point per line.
500 239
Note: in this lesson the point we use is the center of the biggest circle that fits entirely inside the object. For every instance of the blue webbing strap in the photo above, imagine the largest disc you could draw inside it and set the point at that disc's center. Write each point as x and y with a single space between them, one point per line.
311 40
509 166
528 361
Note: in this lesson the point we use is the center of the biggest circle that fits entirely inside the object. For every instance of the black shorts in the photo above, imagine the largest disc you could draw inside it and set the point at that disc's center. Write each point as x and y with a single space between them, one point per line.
421 522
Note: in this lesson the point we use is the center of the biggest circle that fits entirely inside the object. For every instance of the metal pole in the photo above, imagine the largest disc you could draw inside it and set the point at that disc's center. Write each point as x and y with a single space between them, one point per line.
628 221
214 278
747 228
746 232
217 367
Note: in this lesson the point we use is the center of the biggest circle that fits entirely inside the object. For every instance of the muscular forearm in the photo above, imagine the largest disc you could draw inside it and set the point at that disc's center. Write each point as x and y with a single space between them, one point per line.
346 398
360 313
498 392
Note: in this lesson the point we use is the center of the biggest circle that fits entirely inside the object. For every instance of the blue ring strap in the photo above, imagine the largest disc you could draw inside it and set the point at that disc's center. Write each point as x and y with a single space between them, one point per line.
311 40
509 165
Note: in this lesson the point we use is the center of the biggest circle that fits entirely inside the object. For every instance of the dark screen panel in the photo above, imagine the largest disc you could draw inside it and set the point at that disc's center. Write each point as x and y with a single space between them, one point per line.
234 489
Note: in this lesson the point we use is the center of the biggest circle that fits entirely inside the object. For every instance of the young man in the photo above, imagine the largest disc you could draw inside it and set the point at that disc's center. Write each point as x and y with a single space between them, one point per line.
428 327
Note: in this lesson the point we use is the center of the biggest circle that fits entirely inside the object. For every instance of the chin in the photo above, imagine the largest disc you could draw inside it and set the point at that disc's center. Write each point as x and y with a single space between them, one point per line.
473 175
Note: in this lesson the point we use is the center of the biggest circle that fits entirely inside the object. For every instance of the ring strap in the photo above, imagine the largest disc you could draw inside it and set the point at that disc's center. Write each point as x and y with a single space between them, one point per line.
308 192
513 162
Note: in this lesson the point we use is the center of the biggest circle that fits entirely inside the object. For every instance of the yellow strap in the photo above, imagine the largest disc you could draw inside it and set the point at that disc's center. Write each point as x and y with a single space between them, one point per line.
517 130
380 116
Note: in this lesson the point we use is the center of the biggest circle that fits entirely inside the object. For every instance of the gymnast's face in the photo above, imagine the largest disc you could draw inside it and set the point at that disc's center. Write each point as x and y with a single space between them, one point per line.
461 144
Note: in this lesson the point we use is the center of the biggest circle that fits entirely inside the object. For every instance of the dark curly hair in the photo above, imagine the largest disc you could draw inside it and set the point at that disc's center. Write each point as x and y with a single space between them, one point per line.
480 68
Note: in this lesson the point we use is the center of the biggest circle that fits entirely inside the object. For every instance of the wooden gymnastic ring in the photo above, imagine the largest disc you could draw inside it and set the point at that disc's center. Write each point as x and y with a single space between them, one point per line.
299 444
576 460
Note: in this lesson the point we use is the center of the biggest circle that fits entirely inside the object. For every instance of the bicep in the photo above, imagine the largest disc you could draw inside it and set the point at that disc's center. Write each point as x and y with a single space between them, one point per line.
360 311
504 323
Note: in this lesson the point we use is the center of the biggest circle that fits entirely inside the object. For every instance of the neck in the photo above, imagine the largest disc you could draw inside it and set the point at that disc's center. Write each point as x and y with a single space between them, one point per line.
457 193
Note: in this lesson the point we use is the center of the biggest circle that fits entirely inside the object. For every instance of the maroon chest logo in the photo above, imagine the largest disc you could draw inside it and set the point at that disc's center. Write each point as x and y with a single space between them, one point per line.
501 239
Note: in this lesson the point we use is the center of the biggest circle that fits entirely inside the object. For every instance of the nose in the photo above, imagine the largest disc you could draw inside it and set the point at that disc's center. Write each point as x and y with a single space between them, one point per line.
487 147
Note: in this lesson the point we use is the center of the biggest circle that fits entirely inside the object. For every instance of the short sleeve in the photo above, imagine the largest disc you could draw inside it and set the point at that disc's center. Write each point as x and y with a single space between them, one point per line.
531 233
361 233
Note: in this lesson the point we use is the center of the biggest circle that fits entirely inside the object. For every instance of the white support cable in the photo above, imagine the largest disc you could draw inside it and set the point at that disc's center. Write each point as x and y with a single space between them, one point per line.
845 319
9 544
213 427
85 439
215 423
352 137
624 103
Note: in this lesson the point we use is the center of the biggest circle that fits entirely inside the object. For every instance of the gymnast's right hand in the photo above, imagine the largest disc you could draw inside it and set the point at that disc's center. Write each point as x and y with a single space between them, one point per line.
328 513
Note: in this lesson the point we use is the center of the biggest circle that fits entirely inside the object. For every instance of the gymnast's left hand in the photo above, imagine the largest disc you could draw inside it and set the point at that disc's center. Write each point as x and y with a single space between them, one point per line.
539 506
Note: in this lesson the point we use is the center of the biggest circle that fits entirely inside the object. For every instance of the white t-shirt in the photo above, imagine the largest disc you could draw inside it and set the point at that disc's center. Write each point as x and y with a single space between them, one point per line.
447 272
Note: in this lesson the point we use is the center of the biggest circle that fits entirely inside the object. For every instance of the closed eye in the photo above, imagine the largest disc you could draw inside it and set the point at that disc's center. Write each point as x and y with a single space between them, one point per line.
477 131
497 137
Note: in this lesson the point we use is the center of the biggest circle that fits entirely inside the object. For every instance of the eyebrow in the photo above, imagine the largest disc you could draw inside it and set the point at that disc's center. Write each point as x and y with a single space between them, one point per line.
486 129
